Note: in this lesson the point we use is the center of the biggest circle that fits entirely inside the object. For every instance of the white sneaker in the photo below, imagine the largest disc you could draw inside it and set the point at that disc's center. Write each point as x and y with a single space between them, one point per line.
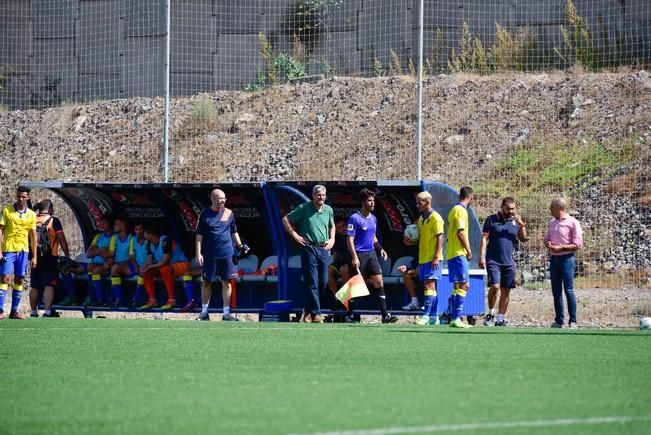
229 318
411 307
423 320
573 325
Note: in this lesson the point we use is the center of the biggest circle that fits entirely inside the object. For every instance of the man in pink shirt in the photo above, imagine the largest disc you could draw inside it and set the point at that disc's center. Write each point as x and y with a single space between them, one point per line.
564 237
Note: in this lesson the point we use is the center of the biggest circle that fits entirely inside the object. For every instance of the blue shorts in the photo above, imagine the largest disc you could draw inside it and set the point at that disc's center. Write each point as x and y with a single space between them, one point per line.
221 269
458 270
427 273
502 274
15 263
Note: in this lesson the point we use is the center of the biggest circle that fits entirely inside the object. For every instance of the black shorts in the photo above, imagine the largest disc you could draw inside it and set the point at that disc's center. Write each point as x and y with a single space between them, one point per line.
502 274
45 274
368 264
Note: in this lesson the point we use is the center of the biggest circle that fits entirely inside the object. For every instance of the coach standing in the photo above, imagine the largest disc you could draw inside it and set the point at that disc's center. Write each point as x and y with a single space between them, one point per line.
216 233
312 226
564 237
501 232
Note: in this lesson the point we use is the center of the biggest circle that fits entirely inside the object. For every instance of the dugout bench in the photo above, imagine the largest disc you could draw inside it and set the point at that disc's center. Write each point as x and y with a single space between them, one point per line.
272 271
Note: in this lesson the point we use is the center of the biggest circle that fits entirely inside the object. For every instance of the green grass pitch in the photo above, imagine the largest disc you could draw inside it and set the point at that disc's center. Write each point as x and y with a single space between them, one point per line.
151 376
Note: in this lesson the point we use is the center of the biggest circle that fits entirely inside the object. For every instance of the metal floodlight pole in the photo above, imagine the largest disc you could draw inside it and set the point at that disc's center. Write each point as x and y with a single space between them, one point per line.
419 116
166 121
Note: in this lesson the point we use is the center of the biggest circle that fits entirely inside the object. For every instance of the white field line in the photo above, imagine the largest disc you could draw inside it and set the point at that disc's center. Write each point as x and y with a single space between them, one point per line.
486 425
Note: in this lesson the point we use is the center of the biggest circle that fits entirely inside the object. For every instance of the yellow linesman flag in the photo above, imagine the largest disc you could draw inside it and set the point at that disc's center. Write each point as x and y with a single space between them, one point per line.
353 288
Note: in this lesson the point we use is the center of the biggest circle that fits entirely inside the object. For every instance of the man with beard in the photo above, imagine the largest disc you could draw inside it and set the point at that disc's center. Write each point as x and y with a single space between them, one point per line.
501 232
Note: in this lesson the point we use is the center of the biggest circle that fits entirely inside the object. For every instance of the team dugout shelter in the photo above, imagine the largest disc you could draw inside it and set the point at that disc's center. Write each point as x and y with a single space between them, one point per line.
272 270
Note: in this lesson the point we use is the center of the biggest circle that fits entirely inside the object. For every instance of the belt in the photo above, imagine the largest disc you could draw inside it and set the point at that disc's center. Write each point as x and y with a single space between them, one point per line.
316 245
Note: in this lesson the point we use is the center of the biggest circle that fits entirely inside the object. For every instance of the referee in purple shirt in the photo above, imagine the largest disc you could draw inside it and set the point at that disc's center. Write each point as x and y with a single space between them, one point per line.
564 237
363 244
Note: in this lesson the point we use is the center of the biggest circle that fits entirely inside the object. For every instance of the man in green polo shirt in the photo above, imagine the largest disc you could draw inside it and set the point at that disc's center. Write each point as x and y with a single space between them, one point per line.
312 226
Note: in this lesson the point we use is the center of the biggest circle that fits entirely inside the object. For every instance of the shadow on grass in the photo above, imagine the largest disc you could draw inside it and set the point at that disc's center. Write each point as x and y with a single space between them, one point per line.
482 331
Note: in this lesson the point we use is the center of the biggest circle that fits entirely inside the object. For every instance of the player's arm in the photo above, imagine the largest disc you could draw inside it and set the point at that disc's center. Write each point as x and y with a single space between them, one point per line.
379 248
438 252
522 232
2 236
482 250
463 238
198 240
167 254
63 243
292 232
350 242
331 240
109 252
408 242
33 247
93 250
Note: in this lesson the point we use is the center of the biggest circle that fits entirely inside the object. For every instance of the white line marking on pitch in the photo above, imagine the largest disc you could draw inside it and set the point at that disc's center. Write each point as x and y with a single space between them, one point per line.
486 425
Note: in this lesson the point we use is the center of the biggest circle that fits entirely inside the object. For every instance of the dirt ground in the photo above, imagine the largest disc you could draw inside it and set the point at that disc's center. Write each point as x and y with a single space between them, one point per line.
596 308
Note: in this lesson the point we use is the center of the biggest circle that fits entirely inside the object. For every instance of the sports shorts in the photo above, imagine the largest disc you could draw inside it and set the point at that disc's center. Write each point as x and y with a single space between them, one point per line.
428 273
220 269
14 263
458 269
369 264
502 274
45 274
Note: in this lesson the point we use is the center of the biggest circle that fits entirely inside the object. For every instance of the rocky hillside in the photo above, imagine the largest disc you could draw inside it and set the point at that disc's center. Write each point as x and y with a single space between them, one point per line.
585 135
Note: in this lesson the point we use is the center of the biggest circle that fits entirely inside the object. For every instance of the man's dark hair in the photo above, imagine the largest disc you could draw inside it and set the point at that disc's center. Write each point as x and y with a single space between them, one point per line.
109 217
365 194
151 228
339 218
122 217
43 205
465 192
508 200
23 189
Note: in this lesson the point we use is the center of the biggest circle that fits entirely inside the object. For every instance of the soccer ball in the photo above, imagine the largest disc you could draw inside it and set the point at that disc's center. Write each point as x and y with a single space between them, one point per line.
645 323
411 232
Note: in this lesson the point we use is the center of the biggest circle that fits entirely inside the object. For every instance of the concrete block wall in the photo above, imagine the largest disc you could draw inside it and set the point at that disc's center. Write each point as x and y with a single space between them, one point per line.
80 50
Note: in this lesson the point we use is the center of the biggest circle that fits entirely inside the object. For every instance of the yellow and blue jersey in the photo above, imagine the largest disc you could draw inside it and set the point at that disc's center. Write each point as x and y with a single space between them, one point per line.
429 227
139 250
123 248
102 241
457 221
17 225
166 246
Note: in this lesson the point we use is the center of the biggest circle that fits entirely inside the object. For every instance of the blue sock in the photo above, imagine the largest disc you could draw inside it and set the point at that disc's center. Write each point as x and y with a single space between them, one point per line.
139 294
435 306
458 306
3 299
427 308
69 285
116 290
98 287
16 296
188 288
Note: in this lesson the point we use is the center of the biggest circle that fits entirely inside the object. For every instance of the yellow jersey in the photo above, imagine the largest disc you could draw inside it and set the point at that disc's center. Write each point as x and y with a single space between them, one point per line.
457 220
17 225
428 230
